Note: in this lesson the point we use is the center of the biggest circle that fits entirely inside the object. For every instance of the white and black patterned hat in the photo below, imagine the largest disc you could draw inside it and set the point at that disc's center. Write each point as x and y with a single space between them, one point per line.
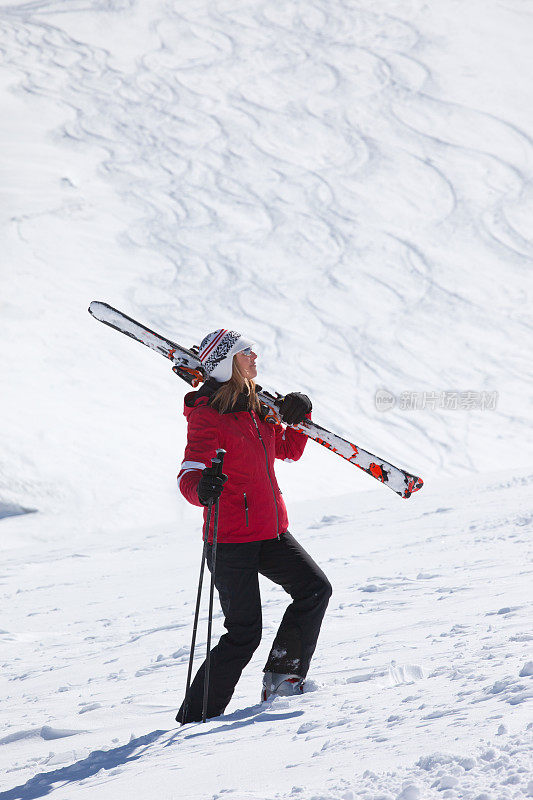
217 350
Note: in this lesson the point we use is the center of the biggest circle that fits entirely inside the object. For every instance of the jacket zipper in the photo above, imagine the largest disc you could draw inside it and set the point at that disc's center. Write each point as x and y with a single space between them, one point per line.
245 507
268 472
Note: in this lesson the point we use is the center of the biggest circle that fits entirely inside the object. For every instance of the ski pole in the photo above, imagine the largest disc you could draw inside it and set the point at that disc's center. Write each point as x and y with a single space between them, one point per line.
217 464
196 615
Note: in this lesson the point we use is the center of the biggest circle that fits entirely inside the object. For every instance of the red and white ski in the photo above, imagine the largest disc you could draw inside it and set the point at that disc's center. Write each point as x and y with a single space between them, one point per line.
187 365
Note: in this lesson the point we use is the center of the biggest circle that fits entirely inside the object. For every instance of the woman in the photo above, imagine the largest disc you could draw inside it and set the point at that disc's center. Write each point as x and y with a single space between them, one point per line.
252 535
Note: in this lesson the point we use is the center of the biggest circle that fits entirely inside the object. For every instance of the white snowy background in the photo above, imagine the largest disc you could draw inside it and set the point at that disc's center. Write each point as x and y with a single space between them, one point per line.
350 184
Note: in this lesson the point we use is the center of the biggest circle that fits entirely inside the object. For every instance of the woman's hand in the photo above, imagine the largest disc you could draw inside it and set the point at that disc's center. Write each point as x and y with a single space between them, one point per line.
294 408
210 486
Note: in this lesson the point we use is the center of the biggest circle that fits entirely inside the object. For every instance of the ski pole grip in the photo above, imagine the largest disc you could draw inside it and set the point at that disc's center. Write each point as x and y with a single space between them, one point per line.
218 461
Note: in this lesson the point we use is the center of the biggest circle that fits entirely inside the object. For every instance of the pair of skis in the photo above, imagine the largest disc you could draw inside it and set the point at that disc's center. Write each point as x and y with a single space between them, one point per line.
188 366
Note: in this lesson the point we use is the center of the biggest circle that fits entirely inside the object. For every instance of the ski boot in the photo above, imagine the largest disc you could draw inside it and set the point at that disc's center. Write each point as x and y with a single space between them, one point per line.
281 685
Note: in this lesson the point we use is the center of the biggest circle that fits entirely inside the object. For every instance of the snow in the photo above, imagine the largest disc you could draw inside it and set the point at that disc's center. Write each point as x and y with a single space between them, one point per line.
349 184
413 683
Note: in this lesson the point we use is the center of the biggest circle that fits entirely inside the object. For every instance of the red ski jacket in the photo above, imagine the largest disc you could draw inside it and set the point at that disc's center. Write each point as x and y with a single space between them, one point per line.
251 505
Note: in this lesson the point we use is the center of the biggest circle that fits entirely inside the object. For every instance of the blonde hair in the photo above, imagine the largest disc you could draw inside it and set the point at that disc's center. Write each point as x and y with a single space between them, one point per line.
225 398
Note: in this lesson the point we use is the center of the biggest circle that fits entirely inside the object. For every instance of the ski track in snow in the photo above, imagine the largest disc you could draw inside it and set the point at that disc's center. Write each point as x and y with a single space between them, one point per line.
299 165
422 675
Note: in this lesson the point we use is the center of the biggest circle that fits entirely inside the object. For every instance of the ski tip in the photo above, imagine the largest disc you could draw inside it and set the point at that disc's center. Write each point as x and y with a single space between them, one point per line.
93 305
97 308
413 485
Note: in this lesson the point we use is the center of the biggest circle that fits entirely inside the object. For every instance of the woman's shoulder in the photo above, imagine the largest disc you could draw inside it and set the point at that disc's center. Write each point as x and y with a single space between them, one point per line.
200 414
200 398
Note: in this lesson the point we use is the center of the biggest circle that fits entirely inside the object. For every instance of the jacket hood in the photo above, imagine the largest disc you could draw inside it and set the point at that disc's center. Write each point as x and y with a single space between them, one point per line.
204 394
201 397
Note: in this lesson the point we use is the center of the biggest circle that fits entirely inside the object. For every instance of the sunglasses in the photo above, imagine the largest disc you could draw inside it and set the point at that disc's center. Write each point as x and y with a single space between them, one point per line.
246 352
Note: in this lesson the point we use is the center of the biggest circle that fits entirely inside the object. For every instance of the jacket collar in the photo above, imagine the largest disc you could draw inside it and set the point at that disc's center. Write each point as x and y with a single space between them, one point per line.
205 393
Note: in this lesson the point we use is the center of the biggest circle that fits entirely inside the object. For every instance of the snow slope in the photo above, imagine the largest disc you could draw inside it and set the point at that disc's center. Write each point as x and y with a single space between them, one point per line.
350 184
420 677
299 171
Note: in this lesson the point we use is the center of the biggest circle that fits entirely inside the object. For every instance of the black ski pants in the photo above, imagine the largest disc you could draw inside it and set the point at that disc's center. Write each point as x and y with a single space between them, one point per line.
237 571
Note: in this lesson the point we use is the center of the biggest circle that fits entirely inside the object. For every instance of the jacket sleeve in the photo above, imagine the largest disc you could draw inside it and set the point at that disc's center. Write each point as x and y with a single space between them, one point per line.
202 443
290 444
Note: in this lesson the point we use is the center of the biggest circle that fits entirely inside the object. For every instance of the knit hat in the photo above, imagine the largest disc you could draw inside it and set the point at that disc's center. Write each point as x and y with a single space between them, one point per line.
217 350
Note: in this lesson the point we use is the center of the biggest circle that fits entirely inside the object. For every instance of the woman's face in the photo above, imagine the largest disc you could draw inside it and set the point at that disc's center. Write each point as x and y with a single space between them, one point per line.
246 364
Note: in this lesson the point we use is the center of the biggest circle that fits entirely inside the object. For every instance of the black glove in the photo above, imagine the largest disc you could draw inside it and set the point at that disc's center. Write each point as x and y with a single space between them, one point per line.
210 486
294 407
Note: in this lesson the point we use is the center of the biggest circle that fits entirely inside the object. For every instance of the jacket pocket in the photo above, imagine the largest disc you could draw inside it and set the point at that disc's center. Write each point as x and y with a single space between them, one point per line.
245 499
